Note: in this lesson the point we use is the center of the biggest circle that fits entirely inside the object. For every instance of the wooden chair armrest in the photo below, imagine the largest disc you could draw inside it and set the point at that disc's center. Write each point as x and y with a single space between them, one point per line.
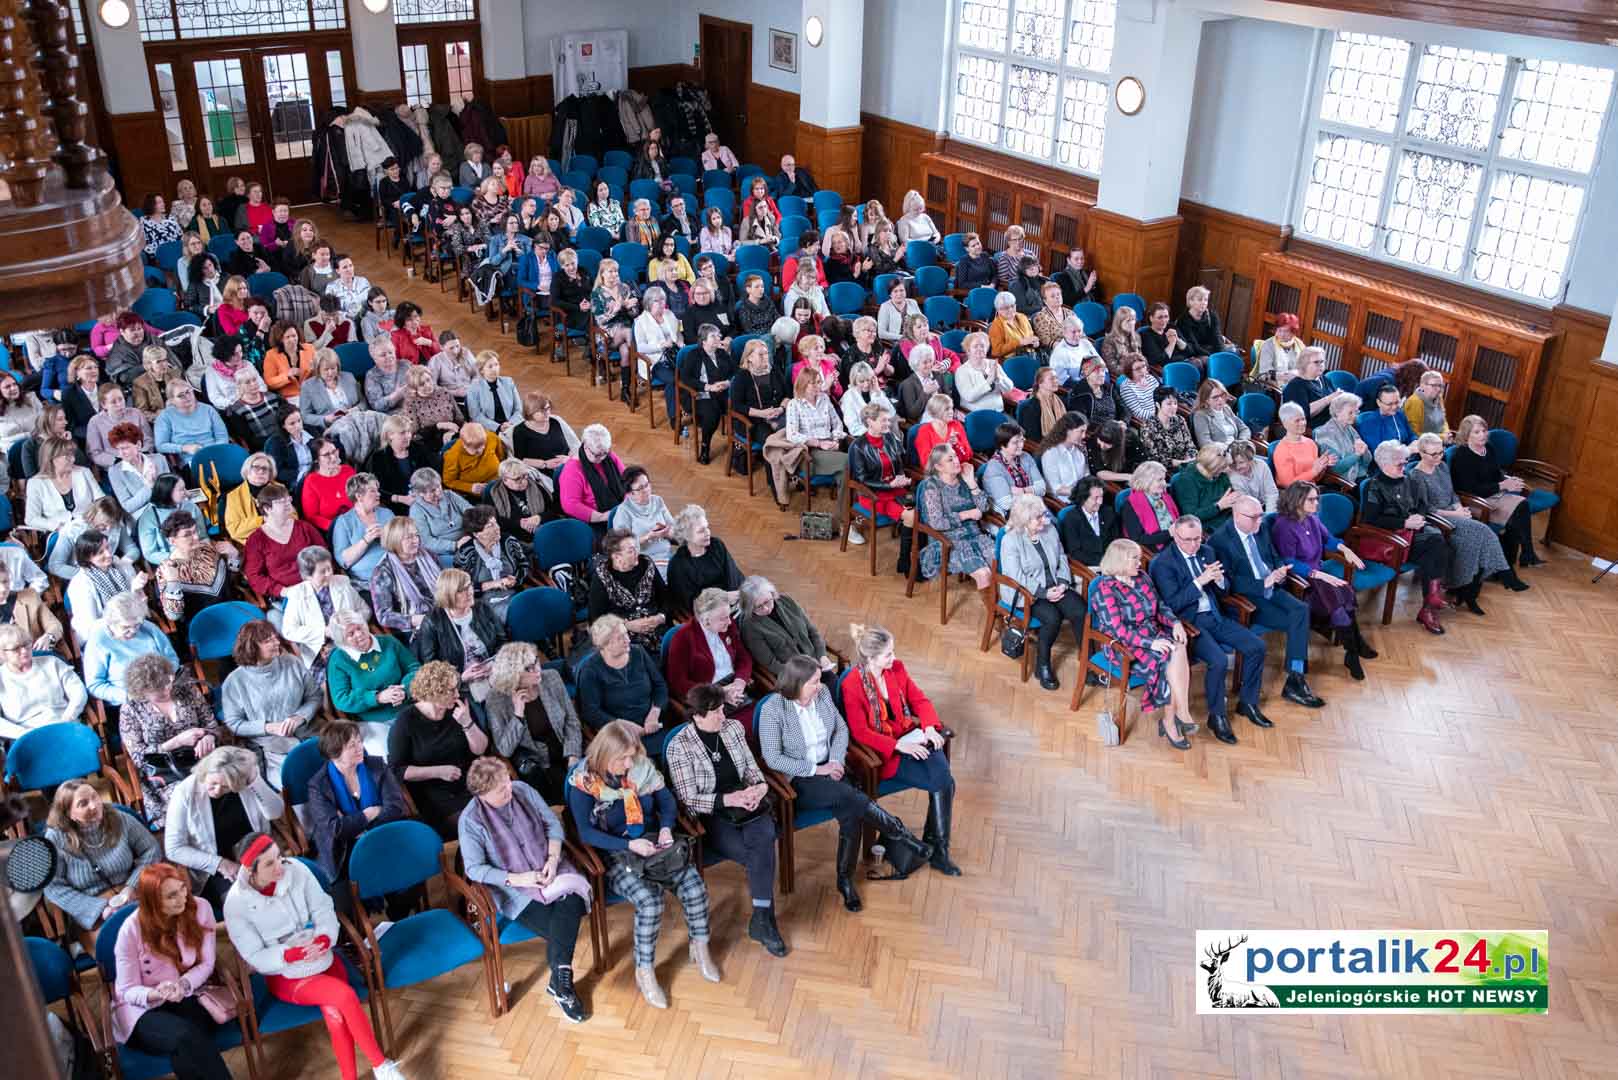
1441 523
1478 507
125 782
864 757
1241 607
779 784
582 857
467 890
1336 483
1540 470
1022 608
1081 574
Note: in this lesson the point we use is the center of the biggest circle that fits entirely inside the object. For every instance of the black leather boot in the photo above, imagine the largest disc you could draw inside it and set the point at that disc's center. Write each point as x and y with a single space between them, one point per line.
762 929
1361 646
940 818
848 855
907 537
894 829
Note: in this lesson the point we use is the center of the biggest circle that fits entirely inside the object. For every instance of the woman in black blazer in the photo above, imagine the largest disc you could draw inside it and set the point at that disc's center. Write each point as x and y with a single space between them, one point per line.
290 450
1083 541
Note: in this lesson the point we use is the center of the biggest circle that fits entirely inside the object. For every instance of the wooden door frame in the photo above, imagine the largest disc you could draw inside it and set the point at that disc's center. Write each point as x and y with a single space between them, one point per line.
743 152
435 36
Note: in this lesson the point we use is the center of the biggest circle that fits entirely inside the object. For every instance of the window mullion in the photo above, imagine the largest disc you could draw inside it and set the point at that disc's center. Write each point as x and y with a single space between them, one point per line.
1492 164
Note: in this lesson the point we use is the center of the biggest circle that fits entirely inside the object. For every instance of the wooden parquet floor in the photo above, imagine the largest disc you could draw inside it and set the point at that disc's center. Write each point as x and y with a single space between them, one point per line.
1469 782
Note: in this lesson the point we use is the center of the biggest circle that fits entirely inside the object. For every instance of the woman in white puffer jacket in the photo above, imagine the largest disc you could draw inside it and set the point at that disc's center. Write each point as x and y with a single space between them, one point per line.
285 927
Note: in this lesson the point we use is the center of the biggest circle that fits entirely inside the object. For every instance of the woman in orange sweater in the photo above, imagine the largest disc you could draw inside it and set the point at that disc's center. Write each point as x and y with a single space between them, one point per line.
289 361
889 714
1296 457
1011 332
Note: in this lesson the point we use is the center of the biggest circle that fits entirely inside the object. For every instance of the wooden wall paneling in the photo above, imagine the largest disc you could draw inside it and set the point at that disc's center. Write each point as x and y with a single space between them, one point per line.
772 129
987 193
1135 256
832 155
1215 242
1574 413
141 148
516 97
890 165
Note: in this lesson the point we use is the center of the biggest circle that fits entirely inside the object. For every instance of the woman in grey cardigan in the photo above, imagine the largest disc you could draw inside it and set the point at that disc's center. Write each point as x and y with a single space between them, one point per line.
1031 555
437 513
332 392
269 700
775 628
493 400
532 720
101 851
1339 436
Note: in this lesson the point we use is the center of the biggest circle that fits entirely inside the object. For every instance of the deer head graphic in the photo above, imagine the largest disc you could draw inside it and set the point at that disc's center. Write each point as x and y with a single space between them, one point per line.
1227 993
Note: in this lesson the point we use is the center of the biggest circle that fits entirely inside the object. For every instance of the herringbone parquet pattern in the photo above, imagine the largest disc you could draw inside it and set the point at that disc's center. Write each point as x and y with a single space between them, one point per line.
1470 782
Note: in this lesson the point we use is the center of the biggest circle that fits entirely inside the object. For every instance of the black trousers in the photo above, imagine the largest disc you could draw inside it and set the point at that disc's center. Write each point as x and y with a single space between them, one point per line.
846 802
213 890
1430 552
709 412
1051 615
752 845
182 1032
558 923
1518 537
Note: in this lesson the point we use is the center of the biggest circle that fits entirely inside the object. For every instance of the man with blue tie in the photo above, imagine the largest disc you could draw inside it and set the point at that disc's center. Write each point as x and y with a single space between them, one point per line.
1256 571
1190 580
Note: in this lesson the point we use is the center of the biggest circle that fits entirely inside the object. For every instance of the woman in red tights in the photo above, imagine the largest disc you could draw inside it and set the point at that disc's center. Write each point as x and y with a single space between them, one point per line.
284 925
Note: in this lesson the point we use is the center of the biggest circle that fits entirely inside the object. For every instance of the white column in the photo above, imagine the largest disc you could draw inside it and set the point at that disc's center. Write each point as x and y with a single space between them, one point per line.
121 60
376 49
1157 43
829 76
503 37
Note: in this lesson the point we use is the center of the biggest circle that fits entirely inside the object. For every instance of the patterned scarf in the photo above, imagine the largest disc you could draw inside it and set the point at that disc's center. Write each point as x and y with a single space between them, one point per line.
415 589
1019 475
879 706
521 842
642 779
109 582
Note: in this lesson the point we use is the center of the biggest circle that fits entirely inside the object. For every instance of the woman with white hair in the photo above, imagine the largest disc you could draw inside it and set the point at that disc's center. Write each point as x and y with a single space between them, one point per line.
368 675
657 338
242 518
775 628
701 561
1052 315
1296 456
311 603
1010 332
437 512
592 483
1393 503
708 650
926 380
1126 607
1031 554
125 635
915 223
863 390
1339 437
1477 551
223 801
519 502
1070 354
980 381
34 690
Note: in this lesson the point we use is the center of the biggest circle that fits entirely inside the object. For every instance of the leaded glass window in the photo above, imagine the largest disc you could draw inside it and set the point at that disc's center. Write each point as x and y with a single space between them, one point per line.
434 11
173 20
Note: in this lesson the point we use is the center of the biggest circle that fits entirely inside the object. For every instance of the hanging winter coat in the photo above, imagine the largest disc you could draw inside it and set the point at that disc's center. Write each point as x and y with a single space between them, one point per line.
400 134
635 116
491 132
447 137
367 149
329 161
419 120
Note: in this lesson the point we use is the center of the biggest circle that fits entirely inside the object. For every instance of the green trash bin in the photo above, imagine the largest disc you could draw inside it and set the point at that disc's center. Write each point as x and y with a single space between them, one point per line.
221 133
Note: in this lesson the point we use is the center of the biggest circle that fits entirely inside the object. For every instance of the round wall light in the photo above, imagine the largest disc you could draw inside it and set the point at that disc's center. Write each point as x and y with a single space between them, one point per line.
376 7
1130 95
814 31
115 13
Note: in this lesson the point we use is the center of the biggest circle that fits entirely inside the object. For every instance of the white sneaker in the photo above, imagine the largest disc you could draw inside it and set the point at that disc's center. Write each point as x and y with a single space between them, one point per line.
388 1070
856 537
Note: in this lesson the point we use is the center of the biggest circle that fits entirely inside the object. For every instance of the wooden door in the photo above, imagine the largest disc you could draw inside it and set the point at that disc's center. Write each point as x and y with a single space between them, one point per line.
217 114
727 75
1492 368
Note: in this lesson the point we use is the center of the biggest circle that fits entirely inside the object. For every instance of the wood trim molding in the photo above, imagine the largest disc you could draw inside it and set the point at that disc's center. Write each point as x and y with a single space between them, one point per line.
1015 170
890 158
139 148
1594 21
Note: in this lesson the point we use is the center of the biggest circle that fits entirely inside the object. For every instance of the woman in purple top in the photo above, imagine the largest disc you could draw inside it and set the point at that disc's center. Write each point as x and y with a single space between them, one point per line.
1302 538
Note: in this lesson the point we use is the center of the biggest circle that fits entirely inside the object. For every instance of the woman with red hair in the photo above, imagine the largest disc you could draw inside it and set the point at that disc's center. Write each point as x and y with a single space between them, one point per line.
163 1003
285 928
1278 356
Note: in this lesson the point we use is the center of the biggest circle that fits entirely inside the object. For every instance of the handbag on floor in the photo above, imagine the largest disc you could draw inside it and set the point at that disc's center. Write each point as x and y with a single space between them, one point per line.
904 855
817 525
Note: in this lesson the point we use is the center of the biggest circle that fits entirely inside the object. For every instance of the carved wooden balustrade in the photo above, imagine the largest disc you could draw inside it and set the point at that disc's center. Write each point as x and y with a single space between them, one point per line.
69 251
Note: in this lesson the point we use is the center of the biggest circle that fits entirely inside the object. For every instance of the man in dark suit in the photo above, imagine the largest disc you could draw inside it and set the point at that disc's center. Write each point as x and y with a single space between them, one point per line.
792 180
1091 525
679 221
1256 571
1191 581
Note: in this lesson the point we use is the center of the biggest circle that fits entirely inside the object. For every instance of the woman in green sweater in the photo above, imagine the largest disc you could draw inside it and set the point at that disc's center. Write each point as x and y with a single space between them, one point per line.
1203 489
368 676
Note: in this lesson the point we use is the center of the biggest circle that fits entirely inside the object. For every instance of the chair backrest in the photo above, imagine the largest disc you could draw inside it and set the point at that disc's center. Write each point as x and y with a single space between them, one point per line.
298 769
1336 512
663 645
265 283
212 631
589 262
881 286
168 254
954 246
1020 370
952 339
314 868
1339 379
539 614
686 185
1226 367
225 458
614 174
355 357
724 198
919 253
1092 315
715 179
154 277
563 542
739 343
932 281
911 457
1181 377
617 159
980 425
980 303
650 190
682 165
721 265
51 754
594 237
462 195
794 225
827 199
1130 300
942 312
1257 411
752 257
845 297
748 171
1504 445
575 178
825 219
155 302
1119 499
632 258
172 319
53 968
394 856
792 206
221 246
106 945
583 162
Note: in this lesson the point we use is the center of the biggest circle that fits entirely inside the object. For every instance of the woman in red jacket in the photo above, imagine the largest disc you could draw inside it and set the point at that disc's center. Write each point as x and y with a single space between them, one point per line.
889 714
413 339
709 649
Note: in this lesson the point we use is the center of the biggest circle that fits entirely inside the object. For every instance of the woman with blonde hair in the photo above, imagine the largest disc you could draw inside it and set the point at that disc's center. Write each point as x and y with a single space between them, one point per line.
1125 607
223 801
915 223
980 381
1203 487
623 809
1150 508
405 580
461 630
613 305
813 428
1121 347
432 411
532 721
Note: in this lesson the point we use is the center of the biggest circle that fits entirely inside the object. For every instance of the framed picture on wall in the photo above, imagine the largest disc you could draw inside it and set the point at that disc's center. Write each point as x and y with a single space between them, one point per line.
783 50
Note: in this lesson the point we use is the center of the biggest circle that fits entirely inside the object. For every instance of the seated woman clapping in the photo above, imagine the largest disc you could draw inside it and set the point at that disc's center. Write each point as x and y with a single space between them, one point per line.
775 628
890 714
717 779
353 792
709 650
35 690
511 841
269 699
167 1002
532 722
803 737
223 801
433 742
461 630
100 852
1124 606
622 808
284 927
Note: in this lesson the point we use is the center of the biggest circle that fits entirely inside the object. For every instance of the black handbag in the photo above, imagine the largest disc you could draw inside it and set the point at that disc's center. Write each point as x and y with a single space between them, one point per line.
661 867
171 766
904 855
1013 640
738 816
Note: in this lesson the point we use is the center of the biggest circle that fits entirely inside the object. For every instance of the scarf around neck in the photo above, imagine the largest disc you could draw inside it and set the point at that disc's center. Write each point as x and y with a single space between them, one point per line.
605 480
346 802
417 597
642 779
521 843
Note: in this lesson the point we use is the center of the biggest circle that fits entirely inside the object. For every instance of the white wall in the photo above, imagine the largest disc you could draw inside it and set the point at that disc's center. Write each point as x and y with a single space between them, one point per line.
762 15
1252 94
654 37
1591 283
905 43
